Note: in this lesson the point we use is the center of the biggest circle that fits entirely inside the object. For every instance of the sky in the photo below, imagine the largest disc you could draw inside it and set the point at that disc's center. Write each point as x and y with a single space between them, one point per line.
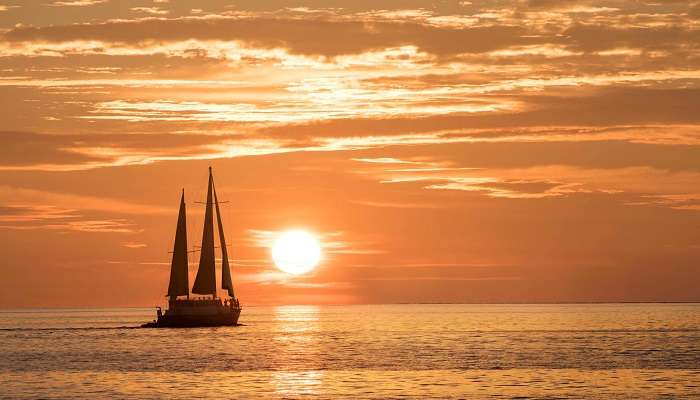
461 151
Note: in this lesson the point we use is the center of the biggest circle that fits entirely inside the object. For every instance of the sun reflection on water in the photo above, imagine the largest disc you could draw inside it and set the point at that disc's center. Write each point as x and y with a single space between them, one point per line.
297 383
297 351
297 318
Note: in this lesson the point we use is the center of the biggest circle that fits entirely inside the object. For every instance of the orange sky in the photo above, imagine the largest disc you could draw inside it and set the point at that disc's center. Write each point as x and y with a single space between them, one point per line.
504 151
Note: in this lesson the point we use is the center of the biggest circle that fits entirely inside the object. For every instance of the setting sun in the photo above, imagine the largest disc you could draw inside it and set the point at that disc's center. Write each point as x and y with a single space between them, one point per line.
296 252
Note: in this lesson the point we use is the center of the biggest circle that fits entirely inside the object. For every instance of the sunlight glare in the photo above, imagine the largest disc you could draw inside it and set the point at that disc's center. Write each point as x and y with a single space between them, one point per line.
296 252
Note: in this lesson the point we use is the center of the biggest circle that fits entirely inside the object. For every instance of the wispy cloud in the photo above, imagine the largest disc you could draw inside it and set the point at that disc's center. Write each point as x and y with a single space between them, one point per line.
684 201
331 242
391 204
386 160
150 10
52 218
67 202
541 182
134 245
76 3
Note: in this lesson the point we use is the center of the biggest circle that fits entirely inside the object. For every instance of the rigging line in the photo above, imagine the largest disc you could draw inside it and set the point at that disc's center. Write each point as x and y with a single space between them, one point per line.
191 240
188 226
198 235
230 228
230 236
229 212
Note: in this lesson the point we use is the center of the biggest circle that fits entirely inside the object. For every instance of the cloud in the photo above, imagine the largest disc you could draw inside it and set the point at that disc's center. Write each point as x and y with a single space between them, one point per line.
686 201
397 205
45 152
658 145
579 107
554 4
298 36
76 3
331 242
52 218
150 10
321 105
24 213
324 31
512 189
671 189
600 37
134 245
44 204
24 148
386 160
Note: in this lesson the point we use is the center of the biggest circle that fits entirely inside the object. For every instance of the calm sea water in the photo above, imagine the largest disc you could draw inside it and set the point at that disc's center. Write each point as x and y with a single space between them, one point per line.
640 351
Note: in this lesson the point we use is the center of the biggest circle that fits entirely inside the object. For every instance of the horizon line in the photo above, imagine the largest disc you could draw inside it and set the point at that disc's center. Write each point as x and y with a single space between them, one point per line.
10 309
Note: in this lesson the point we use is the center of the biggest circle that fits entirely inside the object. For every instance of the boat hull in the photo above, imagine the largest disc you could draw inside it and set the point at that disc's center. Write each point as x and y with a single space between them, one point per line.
190 314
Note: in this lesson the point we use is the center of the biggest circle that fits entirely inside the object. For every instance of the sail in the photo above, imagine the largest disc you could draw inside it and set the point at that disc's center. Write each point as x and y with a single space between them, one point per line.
205 282
226 282
178 267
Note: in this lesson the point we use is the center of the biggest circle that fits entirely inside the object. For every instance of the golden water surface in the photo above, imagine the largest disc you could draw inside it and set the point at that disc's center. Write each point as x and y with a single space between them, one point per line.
381 351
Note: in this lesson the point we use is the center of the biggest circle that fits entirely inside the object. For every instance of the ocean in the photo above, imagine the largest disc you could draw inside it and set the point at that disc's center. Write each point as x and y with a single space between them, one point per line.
553 351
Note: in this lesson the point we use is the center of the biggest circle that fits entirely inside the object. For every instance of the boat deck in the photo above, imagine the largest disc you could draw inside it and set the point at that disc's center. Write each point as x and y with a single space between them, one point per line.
198 312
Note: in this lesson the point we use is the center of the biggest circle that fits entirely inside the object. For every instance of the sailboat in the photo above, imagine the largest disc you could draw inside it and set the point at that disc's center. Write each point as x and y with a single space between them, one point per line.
208 309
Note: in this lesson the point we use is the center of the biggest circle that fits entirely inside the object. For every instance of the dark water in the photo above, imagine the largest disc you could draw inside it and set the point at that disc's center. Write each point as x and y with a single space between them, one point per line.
645 351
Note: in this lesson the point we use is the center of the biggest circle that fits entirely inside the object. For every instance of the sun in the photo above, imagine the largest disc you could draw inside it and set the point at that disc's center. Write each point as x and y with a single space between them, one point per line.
296 252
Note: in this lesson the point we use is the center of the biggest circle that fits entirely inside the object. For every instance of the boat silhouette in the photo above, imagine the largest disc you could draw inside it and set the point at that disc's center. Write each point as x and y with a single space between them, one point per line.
208 309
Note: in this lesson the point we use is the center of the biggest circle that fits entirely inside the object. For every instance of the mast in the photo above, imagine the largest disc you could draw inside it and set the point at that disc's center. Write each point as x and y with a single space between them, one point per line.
226 282
205 282
179 285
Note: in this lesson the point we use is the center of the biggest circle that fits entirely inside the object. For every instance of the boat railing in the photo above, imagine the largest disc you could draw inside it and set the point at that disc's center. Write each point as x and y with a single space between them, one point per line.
230 303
